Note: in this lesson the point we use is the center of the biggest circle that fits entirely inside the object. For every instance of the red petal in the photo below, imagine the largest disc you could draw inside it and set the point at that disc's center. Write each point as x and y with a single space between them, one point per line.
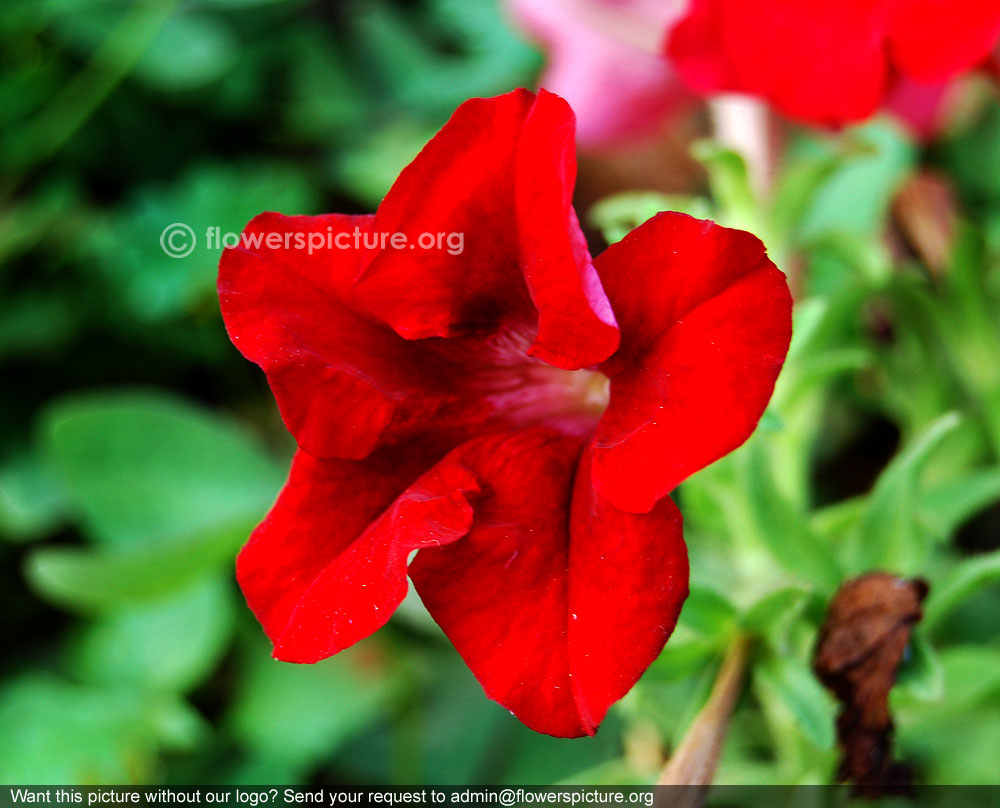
576 327
706 321
935 40
819 62
464 182
827 62
284 310
838 47
346 384
557 600
327 567
696 47
461 182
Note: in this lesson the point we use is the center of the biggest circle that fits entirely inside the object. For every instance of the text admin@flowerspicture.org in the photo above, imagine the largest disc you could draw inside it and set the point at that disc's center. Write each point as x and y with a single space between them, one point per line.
256 797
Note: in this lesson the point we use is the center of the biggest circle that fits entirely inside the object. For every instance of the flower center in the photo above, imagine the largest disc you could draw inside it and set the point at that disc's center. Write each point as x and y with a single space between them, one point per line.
525 392
569 400
589 390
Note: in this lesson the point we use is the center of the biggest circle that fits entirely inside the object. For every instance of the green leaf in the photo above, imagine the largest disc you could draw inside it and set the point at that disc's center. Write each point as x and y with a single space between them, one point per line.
780 526
855 198
188 52
105 579
617 772
840 262
771 614
326 100
729 181
671 704
977 146
31 499
955 739
618 215
686 656
537 758
972 676
948 506
70 733
179 727
708 613
814 357
788 683
770 421
238 4
921 673
392 49
368 169
953 748
451 728
125 245
797 186
301 713
965 579
171 643
35 322
812 373
26 224
889 535
838 520
485 57
146 468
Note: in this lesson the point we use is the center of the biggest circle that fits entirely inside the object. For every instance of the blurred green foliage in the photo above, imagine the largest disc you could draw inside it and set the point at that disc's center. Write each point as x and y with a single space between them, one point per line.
138 449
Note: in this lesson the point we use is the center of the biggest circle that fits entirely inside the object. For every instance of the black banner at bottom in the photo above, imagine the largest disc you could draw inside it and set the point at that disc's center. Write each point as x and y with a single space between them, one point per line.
263 796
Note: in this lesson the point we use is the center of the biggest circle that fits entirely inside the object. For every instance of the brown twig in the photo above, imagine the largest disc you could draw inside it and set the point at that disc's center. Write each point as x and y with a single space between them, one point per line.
696 757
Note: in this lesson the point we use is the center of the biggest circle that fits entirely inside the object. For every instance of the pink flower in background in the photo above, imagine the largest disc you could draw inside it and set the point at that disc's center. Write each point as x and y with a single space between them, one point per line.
604 58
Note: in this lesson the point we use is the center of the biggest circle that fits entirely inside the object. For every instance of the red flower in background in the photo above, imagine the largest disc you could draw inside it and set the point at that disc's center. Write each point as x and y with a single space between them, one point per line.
826 62
516 413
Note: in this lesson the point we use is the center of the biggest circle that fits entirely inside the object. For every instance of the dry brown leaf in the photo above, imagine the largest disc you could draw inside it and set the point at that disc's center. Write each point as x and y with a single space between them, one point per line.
861 645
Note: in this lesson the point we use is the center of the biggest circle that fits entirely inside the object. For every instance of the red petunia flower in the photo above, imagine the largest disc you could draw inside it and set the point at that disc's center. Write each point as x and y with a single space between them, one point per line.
517 413
825 62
